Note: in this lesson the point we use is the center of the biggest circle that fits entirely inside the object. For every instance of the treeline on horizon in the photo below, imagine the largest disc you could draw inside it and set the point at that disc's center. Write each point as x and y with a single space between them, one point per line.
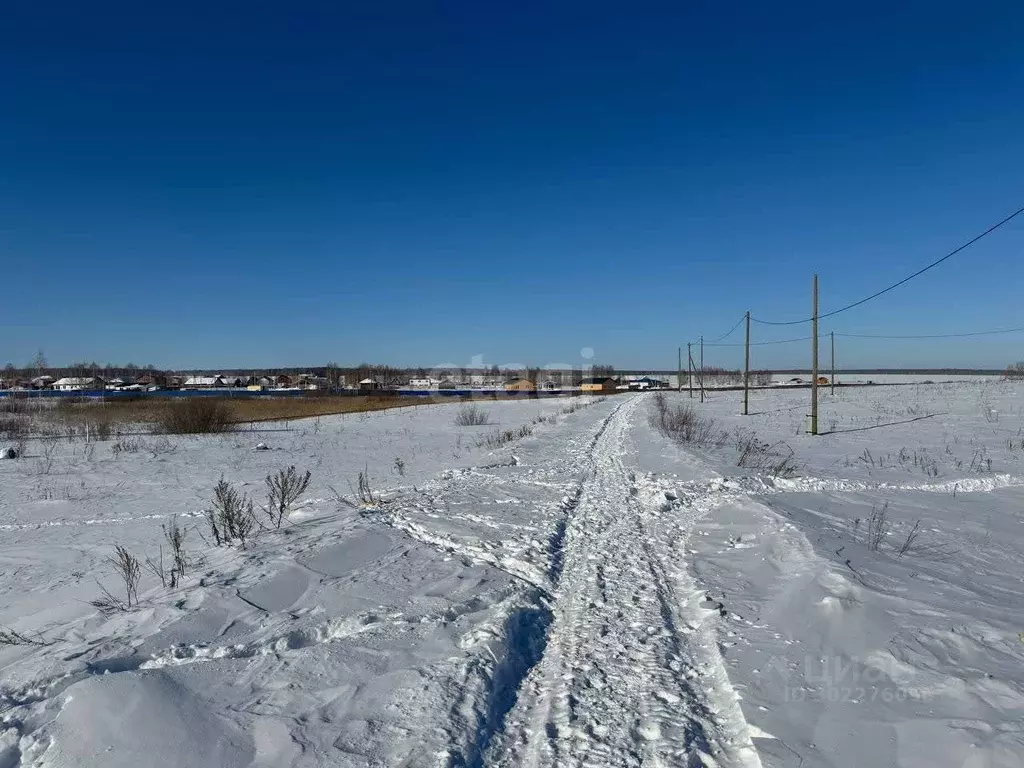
39 366
333 371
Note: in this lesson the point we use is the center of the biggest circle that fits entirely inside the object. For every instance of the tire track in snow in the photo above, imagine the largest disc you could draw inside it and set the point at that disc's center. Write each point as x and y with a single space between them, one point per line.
622 678
521 563
488 691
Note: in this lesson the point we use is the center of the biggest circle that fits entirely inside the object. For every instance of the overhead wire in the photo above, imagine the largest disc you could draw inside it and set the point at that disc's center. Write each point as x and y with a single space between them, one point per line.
764 343
727 334
906 279
931 335
874 336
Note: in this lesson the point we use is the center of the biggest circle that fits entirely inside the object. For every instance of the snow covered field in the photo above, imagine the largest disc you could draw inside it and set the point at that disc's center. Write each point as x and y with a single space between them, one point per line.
848 378
593 593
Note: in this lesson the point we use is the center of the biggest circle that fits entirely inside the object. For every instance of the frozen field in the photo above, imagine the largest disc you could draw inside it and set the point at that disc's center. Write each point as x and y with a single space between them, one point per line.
848 378
593 593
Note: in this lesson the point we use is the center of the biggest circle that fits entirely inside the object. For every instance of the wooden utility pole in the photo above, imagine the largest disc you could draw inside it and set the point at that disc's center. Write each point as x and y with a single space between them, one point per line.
679 374
689 369
702 369
832 383
746 371
814 361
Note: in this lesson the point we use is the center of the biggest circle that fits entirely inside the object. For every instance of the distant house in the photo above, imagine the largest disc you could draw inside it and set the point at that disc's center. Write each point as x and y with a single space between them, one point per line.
312 381
257 383
487 382
520 385
420 383
124 385
283 380
202 382
219 381
369 384
78 383
43 382
598 384
646 382
152 380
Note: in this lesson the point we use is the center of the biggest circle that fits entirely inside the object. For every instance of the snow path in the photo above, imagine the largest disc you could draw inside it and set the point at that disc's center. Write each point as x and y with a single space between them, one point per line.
630 675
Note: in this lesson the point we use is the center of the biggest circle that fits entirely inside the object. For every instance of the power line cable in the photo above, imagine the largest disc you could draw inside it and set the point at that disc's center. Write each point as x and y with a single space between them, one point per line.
907 279
727 333
764 343
932 335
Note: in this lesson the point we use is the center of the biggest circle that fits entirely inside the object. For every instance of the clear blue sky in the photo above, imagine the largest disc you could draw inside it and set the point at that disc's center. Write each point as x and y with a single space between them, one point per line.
222 184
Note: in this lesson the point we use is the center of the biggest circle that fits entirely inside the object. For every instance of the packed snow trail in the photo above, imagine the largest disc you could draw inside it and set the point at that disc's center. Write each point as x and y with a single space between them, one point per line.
629 675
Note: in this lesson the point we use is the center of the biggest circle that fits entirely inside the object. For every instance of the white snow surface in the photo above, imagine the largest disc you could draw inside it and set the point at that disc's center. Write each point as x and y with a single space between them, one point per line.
591 594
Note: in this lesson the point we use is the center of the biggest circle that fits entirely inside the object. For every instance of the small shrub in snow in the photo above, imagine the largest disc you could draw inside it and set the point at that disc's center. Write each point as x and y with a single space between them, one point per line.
365 492
126 445
181 562
129 569
175 536
283 490
660 402
471 416
102 430
10 636
400 466
498 439
362 494
684 425
194 416
980 462
48 451
232 517
878 526
160 446
11 404
158 569
14 427
778 460
911 540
